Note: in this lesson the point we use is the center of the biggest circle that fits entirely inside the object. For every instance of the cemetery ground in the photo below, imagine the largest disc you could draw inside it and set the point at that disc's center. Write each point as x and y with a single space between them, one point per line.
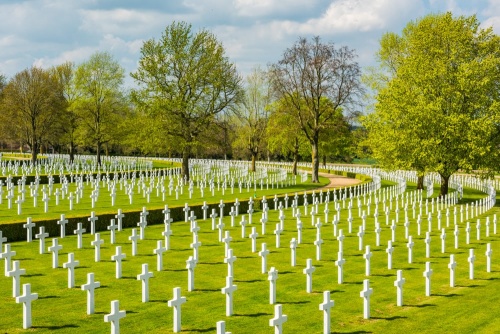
467 307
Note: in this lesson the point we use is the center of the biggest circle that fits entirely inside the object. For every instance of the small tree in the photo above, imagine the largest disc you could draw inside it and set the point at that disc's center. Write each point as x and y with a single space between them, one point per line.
98 84
31 102
309 73
184 80
253 114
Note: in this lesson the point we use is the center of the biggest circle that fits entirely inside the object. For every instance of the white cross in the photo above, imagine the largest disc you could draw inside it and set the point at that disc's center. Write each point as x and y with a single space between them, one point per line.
118 257
167 233
119 218
55 248
365 294
263 254
90 286
488 254
452 265
134 237
159 250
340 264
115 316
26 298
97 245
389 250
79 231
92 220
70 265
308 271
427 274
228 290
176 303
16 273
144 277
29 231
325 307
112 228
398 283
7 255
278 320
230 259
471 259
41 236
62 222
272 276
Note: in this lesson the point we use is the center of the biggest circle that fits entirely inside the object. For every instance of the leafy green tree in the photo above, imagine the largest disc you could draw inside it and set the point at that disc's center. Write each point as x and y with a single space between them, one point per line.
253 115
437 103
30 108
309 74
282 135
100 103
185 80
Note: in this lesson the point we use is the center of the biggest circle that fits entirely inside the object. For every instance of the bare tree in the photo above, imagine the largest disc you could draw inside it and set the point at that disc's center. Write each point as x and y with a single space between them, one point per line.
315 80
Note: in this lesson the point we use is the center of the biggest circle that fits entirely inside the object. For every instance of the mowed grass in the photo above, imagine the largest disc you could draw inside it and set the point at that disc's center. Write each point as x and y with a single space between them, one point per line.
103 204
468 308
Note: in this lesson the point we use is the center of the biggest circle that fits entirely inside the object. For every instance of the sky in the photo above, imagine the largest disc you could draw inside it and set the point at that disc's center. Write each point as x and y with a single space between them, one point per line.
254 32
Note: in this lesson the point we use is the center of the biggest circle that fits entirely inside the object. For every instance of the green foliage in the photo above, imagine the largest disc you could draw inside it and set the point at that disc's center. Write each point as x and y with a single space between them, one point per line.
184 80
316 81
98 82
437 109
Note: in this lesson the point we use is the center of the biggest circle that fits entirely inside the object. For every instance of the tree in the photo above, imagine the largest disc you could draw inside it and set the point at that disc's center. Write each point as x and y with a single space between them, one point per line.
184 80
31 101
310 73
283 137
253 114
69 120
100 101
438 111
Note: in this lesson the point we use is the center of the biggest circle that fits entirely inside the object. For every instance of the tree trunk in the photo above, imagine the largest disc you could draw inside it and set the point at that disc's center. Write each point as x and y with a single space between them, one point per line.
186 152
98 153
254 157
315 161
420 181
444 184
34 150
295 156
71 152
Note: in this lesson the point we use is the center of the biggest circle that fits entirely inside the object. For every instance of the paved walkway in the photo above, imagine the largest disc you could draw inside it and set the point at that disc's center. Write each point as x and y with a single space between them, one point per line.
337 181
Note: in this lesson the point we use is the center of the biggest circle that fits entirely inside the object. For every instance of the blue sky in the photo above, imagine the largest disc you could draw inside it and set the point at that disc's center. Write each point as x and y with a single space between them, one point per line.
254 32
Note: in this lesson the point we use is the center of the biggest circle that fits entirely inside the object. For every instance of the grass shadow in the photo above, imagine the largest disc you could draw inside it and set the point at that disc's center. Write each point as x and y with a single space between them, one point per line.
421 305
48 297
205 330
448 296
396 317
54 328
252 315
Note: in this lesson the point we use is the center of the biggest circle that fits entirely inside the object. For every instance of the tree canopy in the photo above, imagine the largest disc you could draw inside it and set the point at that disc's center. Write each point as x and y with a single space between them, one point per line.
184 80
315 80
437 107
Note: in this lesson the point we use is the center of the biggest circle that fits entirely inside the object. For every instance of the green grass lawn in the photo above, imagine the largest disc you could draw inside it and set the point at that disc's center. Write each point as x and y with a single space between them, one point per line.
470 307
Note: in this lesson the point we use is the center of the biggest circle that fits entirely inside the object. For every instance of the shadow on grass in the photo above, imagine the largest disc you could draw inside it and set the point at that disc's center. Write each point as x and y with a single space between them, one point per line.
210 263
396 317
252 315
285 272
205 330
54 328
33 275
158 301
295 303
422 305
448 296
383 275
48 297
355 332
249 281
208 290
174 269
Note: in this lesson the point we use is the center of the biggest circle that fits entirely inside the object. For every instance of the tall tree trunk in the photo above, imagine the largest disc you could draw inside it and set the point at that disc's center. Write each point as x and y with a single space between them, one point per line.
186 152
254 157
34 150
444 184
295 156
71 152
98 153
420 181
315 161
